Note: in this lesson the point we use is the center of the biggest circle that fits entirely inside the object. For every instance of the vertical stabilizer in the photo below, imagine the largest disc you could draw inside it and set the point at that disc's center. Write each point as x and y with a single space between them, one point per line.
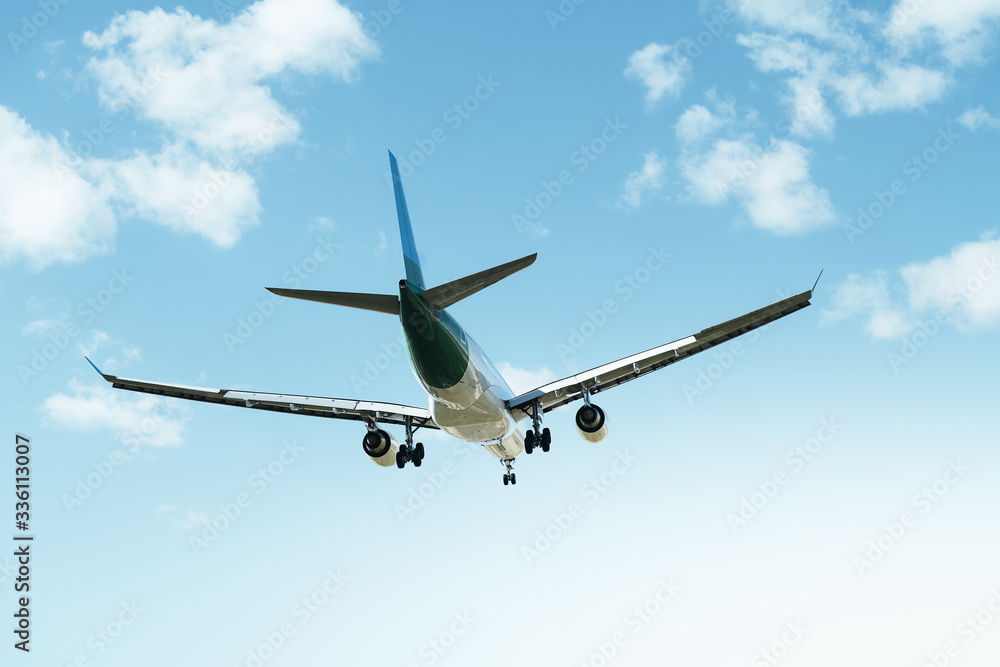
410 259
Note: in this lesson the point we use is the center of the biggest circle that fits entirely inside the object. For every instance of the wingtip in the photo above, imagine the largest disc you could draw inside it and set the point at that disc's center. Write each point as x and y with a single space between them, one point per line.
817 281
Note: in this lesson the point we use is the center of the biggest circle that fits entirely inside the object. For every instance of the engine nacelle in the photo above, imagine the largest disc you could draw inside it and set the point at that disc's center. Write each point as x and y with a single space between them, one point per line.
591 423
380 447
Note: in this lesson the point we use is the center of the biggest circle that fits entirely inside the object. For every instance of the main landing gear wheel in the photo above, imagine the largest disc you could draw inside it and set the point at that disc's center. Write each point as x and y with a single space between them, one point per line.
413 453
537 437
408 451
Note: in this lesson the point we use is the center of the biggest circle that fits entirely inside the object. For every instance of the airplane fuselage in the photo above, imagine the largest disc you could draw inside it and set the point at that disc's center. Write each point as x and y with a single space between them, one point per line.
467 394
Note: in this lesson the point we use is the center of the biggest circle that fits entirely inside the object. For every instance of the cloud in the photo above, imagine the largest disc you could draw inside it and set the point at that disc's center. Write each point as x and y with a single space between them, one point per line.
773 185
204 86
961 28
961 284
697 123
867 61
897 87
661 68
978 118
648 179
867 295
49 211
178 190
960 288
205 81
139 422
521 379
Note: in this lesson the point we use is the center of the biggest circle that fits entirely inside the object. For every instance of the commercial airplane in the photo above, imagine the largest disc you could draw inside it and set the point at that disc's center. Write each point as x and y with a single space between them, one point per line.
468 397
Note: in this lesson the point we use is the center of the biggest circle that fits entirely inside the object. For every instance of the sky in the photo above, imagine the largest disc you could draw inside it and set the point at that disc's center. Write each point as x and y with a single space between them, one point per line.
819 492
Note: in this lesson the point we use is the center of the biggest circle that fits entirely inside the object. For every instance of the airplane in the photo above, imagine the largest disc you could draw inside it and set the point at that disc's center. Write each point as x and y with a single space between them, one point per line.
468 398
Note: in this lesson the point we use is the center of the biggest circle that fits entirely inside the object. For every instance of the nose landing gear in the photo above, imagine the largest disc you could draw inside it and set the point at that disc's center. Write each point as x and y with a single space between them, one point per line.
508 477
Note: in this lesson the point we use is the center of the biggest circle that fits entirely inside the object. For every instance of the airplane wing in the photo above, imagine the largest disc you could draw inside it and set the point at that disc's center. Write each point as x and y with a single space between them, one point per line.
314 406
559 393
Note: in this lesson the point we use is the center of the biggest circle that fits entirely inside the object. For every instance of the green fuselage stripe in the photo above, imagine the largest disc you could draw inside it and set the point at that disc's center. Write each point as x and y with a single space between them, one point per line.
437 345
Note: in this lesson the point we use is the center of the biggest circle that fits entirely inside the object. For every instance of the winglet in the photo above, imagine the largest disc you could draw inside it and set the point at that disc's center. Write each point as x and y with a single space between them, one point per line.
106 377
817 280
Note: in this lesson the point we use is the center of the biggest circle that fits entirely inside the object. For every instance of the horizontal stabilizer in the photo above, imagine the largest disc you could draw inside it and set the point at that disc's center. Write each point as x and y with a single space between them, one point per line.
442 296
382 303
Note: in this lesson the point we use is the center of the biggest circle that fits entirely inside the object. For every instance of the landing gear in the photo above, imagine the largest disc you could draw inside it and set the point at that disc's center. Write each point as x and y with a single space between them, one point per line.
537 436
408 451
508 477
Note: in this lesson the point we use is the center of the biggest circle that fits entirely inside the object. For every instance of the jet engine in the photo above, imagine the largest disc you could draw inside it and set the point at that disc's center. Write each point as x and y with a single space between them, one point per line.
590 420
380 447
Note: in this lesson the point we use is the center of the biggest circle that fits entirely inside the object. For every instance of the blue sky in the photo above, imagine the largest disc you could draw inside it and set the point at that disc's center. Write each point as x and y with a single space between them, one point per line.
822 493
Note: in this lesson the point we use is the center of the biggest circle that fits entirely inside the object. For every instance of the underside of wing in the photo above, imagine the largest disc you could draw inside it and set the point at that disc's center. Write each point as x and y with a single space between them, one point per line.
602 378
314 406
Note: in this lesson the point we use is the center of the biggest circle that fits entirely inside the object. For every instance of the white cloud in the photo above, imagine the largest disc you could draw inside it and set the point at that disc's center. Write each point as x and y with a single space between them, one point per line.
962 28
662 68
697 123
868 296
897 87
961 288
521 379
809 111
206 85
205 81
647 179
978 118
178 190
774 186
962 284
821 19
49 212
143 421
43 327
94 342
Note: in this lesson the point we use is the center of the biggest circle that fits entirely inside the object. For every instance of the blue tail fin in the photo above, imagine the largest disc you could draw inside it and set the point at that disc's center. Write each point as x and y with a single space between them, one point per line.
410 259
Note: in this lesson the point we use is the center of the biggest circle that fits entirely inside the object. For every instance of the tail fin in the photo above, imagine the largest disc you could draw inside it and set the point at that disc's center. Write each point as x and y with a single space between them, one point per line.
410 259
